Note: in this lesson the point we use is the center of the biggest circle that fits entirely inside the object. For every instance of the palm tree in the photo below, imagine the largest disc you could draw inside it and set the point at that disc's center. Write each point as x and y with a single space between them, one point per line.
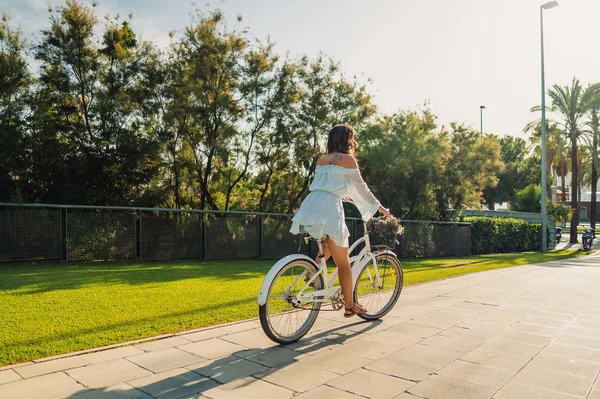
593 124
557 151
572 104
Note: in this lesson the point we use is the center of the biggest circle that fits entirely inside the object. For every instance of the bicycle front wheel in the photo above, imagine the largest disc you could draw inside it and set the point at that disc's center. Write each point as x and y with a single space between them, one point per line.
282 320
378 288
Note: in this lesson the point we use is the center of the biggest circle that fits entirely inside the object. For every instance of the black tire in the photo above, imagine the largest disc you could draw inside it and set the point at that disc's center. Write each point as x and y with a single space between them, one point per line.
270 310
390 271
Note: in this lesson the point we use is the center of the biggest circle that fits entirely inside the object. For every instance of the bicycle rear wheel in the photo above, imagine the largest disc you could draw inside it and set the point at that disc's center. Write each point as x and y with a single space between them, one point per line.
379 295
281 320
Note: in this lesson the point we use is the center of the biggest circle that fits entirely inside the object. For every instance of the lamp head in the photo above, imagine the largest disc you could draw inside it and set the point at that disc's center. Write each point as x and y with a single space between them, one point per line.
550 4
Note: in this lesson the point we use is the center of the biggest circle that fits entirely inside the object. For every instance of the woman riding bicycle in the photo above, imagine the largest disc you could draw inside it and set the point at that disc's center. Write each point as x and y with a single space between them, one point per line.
321 214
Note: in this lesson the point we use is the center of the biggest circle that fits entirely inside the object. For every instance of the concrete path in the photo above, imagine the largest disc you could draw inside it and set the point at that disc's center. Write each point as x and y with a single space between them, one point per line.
523 332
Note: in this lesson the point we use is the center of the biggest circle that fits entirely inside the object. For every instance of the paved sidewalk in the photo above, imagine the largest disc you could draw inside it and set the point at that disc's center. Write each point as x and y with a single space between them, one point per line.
523 332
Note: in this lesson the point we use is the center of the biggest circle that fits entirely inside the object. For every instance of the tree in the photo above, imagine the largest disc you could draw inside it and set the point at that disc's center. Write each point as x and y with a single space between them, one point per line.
517 174
210 66
472 164
557 149
15 82
592 133
402 158
87 143
571 104
528 199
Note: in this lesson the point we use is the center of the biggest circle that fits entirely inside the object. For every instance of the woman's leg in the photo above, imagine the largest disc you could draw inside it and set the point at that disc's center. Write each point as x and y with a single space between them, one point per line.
326 252
342 261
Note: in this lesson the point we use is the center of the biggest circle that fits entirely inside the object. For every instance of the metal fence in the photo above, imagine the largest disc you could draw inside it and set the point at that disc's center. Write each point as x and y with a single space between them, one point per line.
36 232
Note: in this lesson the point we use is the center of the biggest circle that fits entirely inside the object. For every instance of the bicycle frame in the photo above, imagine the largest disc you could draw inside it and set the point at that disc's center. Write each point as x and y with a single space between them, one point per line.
357 263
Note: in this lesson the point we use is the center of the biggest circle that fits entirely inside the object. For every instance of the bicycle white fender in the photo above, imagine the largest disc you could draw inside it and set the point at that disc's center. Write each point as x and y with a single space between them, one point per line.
358 267
264 288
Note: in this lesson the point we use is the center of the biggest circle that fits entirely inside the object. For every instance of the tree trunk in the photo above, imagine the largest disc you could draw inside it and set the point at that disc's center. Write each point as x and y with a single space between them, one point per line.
563 182
574 188
594 172
492 206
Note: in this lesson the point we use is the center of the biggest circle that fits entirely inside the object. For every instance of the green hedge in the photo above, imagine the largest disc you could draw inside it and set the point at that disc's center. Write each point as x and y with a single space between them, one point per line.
500 235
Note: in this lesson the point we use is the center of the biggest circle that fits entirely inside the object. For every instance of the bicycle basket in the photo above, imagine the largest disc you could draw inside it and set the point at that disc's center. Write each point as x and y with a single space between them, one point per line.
383 232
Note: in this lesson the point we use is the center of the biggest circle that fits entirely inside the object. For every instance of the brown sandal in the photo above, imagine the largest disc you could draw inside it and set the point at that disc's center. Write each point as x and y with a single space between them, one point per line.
354 310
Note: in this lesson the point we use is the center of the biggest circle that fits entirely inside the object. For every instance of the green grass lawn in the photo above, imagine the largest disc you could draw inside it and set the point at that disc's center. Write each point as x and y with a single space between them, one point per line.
49 309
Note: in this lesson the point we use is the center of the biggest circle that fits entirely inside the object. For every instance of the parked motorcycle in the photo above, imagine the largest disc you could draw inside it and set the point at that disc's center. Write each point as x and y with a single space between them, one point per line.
558 234
587 239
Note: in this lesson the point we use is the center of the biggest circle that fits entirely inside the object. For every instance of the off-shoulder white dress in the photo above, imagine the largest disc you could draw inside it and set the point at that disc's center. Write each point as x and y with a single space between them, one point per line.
321 214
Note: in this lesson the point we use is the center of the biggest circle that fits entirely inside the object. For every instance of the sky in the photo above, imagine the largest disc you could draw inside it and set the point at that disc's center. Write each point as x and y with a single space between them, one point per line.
454 54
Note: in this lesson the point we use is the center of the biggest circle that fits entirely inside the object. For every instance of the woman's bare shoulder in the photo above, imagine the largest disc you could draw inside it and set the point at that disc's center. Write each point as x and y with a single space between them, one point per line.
338 159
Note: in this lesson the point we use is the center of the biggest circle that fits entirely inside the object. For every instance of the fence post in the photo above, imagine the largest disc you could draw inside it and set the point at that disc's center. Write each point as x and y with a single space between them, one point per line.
457 241
64 254
260 236
138 234
202 236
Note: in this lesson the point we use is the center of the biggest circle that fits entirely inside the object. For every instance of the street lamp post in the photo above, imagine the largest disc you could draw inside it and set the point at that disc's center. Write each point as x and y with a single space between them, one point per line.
545 6
481 108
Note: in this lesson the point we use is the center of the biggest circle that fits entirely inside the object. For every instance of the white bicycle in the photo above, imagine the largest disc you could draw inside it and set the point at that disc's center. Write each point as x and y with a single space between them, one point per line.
294 289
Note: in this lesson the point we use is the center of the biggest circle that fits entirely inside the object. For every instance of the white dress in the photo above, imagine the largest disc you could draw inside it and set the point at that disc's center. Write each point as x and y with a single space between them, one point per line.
321 214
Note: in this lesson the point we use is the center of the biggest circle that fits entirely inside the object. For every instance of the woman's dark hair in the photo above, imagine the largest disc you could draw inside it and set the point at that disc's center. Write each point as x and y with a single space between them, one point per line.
341 139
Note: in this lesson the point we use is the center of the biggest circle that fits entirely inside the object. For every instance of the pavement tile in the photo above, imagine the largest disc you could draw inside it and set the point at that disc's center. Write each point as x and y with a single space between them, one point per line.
255 338
514 347
439 387
56 385
173 384
582 331
415 330
544 321
496 358
458 343
248 388
298 377
475 306
514 390
479 374
435 322
111 354
162 344
554 380
569 351
51 366
118 391
411 311
414 363
15 366
205 334
536 329
107 373
575 340
8 376
275 356
579 322
398 340
371 384
212 348
367 349
314 345
525 337
595 394
482 327
227 369
241 326
340 364
554 315
165 359
566 364
324 391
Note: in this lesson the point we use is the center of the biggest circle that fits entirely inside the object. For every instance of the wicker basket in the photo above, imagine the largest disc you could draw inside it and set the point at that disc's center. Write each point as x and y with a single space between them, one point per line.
383 232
